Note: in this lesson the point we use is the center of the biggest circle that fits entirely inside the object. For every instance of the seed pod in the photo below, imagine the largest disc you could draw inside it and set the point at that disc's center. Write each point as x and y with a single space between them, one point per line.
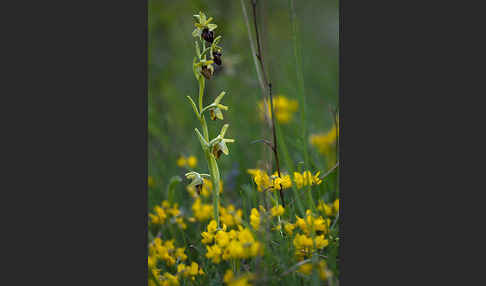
207 35
217 58
206 72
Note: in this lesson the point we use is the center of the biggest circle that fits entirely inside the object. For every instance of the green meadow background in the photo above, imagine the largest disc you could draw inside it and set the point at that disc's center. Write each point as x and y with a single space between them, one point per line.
171 79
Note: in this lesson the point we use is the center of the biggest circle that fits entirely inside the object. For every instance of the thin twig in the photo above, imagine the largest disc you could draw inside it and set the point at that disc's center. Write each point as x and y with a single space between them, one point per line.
269 84
253 52
293 268
259 55
330 170
264 141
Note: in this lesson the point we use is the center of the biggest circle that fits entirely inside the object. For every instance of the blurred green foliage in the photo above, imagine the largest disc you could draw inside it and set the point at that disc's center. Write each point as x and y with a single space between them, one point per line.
171 79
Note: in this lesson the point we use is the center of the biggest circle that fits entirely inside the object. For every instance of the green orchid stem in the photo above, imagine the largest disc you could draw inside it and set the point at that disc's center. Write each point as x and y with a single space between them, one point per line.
212 164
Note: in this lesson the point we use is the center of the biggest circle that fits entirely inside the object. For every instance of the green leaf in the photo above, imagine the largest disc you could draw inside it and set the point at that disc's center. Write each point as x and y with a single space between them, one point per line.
193 106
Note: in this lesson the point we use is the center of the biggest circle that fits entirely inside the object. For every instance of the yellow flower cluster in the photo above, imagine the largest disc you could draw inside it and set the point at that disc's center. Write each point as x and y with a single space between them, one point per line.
303 243
324 141
311 221
230 216
230 244
168 212
322 269
255 218
242 280
202 212
190 161
329 209
304 246
284 108
189 271
165 252
277 211
306 179
265 182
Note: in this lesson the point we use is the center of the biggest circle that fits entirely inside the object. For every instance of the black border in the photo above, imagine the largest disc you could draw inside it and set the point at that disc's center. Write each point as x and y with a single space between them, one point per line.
77 142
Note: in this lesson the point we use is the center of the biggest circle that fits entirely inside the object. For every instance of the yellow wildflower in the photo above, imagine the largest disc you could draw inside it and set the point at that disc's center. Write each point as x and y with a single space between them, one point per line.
202 212
323 271
170 280
278 227
277 211
321 242
336 206
262 180
306 268
255 218
228 276
233 234
180 253
189 270
180 222
235 250
212 226
246 237
174 210
283 108
207 237
306 179
181 268
242 280
302 241
214 253
230 216
159 216
222 238
191 161
289 228
194 269
181 162
256 249
156 272
281 182
324 141
323 207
